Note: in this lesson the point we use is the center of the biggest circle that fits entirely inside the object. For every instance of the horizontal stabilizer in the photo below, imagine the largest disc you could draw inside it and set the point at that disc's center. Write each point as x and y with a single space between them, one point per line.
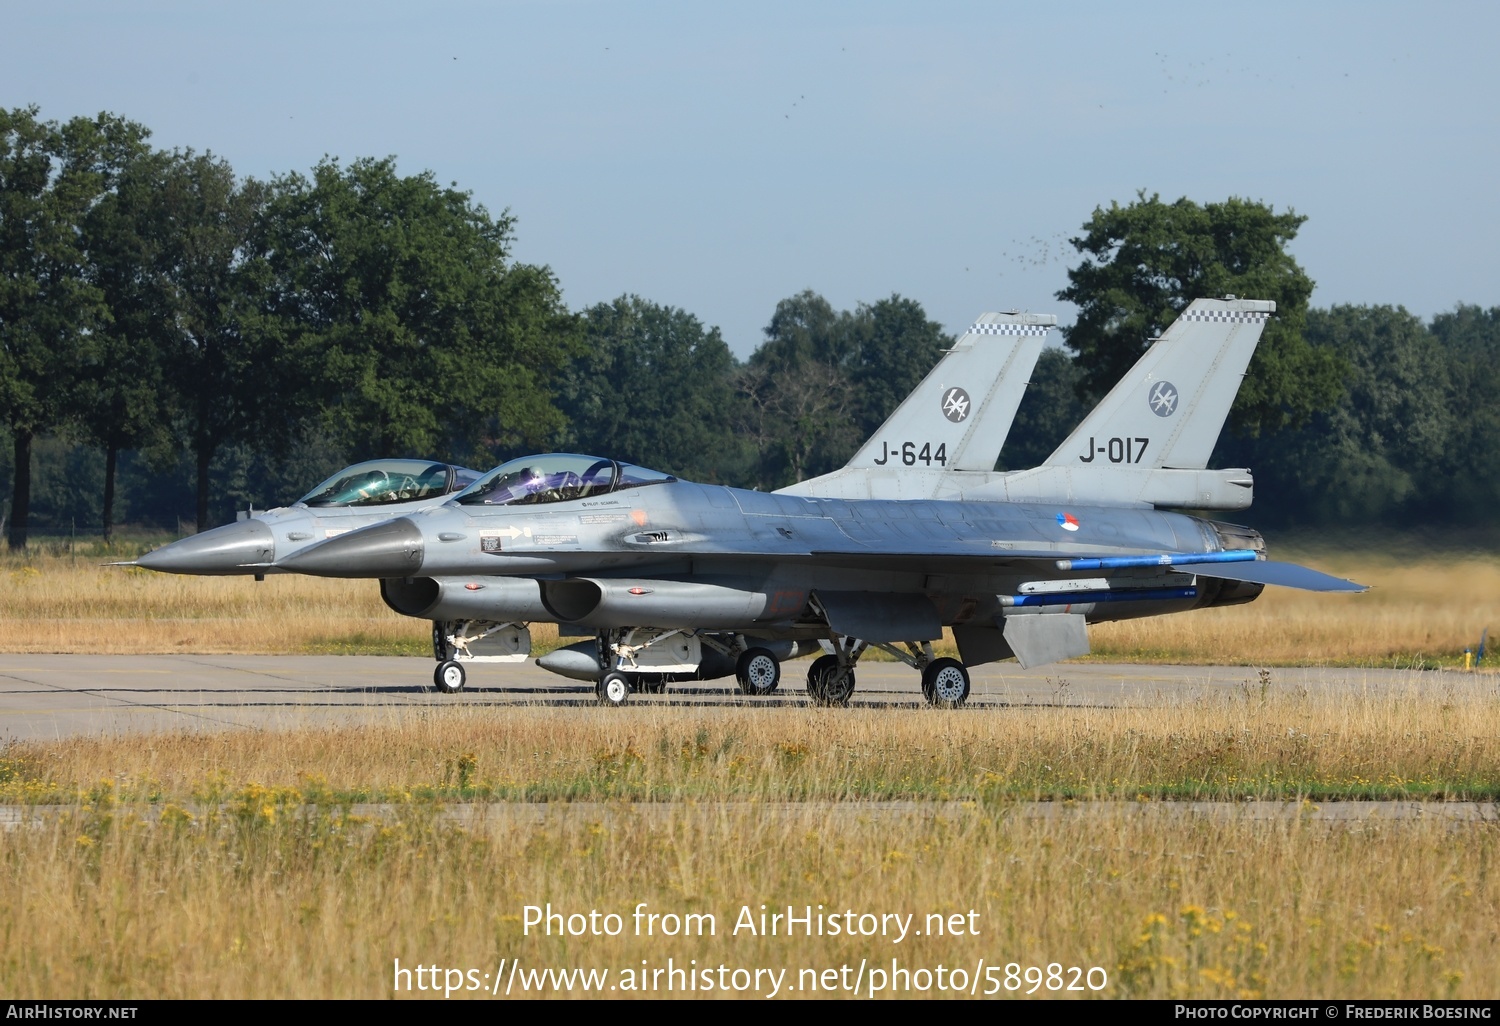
1287 575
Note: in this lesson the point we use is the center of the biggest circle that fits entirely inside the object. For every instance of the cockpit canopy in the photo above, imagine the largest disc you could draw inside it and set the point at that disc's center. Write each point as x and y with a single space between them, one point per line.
378 482
555 477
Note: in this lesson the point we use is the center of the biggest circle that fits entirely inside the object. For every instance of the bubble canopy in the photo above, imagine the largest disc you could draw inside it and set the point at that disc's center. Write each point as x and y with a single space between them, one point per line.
555 477
379 482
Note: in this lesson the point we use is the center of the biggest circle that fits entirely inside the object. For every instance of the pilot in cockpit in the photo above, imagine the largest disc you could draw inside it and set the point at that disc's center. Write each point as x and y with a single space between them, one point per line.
375 487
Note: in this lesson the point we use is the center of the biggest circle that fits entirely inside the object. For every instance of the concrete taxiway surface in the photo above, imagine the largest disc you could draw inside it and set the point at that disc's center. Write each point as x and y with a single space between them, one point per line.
47 696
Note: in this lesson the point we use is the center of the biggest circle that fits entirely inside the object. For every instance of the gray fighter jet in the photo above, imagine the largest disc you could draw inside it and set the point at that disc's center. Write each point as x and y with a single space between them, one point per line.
355 497
1000 348
994 356
657 568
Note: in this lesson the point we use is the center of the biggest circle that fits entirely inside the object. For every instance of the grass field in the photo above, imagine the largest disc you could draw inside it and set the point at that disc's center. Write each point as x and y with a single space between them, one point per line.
1436 738
1423 610
234 864
258 901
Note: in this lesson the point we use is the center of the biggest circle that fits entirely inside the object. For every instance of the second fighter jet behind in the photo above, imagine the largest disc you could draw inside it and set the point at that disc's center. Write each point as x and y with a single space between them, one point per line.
358 496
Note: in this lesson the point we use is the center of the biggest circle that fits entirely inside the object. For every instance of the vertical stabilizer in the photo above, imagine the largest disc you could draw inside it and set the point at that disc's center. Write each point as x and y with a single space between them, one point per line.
1168 410
964 407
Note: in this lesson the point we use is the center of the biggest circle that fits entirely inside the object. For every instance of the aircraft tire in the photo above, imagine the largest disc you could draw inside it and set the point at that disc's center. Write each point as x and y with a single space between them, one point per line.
815 674
825 685
449 677
945 683
757 672
613 688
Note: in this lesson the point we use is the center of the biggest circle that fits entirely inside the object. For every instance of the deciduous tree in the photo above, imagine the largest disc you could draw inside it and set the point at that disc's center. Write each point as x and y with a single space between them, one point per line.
653 386
51 177
399 293
124 403
824 380
1377 456
1143 263
230 377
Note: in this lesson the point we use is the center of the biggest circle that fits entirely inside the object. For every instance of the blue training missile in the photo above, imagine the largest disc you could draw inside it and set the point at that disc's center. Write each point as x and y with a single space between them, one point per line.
1165 559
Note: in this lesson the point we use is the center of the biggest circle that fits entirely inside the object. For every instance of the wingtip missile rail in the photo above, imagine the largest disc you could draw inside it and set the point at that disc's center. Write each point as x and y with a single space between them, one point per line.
1163 559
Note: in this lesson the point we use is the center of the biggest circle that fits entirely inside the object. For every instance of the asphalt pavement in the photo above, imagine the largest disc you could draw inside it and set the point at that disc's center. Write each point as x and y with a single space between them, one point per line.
47 696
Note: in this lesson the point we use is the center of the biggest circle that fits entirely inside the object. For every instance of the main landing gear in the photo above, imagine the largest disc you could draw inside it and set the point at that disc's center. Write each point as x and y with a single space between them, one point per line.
830 680
945 683
758 672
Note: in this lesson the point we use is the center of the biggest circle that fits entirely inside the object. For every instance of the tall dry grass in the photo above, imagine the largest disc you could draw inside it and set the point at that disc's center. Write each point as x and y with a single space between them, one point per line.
234 865
259 900
54 603
1422 610
1436 737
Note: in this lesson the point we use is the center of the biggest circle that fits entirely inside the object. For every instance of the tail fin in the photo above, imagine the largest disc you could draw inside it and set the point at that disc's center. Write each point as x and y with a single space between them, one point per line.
962 410
1168 410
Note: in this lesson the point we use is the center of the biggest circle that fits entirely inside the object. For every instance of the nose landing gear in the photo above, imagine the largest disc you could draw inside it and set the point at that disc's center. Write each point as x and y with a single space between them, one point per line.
449 677
613 688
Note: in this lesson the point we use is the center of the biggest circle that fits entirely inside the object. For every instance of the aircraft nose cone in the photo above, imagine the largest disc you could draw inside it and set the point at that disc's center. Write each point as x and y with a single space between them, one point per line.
391 549
232 549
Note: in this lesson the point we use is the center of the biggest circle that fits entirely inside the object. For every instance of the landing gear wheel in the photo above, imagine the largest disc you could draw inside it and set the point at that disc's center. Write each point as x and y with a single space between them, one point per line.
449 677
758 672
945 683
828 683
648 686
613 688
815 674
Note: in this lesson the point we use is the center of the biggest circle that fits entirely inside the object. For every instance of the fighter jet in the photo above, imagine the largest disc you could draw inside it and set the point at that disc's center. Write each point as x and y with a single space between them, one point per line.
1000 348
656 567
355 497
994 356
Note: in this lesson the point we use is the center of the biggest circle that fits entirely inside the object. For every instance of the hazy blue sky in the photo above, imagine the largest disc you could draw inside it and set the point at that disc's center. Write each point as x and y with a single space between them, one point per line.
720 157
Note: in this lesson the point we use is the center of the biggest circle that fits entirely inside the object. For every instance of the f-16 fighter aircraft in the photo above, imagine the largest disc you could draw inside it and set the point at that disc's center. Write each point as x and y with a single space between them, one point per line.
657 567
355 497
994 357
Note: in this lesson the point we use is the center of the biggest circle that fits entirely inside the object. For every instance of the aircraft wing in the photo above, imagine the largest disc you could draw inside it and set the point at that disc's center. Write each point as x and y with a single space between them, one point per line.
1043 563
930 545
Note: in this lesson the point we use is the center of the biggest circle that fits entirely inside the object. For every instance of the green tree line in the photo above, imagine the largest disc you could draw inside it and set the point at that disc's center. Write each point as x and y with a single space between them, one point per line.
178 342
